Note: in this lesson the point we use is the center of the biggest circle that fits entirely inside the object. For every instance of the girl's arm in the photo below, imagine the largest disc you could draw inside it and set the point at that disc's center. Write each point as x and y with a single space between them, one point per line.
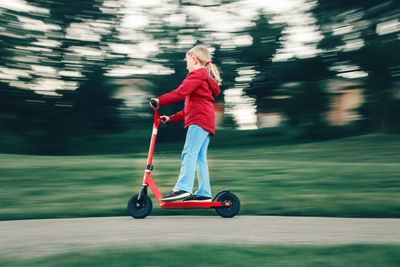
192 82
177 117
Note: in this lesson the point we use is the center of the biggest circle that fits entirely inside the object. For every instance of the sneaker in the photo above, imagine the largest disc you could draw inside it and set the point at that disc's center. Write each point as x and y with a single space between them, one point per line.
175 195
197 198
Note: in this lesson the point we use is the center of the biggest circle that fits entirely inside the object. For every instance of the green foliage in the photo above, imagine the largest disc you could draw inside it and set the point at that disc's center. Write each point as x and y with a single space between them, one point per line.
48 124
378 56
76 119
258 57
307 106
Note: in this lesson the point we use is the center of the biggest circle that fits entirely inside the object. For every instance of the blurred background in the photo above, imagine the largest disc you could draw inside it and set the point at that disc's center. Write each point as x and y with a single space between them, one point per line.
76 76
308 119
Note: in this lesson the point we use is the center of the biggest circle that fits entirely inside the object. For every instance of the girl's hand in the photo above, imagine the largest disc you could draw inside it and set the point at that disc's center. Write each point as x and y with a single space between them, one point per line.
165 119
157 101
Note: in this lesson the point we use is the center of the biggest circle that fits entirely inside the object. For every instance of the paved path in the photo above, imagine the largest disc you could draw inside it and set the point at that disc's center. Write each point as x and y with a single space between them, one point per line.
31 238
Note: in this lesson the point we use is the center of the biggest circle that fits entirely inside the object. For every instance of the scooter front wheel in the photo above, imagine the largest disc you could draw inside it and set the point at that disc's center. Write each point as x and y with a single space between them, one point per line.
232 209
139 208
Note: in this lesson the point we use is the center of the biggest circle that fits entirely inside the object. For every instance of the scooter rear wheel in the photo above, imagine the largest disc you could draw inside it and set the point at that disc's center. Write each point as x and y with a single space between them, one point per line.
228 211
139 208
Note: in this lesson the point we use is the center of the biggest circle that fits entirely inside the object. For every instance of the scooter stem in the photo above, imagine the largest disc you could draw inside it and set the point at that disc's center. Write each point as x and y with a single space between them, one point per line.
157 121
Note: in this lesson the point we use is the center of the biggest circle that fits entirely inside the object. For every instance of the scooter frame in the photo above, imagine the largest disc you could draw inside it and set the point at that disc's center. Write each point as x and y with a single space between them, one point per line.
149 182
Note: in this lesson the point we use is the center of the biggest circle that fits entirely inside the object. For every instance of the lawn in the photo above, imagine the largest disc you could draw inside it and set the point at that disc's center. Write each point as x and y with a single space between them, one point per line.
223 255
349 177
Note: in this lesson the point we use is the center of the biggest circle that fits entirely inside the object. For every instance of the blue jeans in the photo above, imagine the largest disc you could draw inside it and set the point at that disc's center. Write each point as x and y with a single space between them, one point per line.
194 159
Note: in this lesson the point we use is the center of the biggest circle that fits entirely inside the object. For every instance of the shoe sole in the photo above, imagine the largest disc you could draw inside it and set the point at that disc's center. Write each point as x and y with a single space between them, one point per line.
181 196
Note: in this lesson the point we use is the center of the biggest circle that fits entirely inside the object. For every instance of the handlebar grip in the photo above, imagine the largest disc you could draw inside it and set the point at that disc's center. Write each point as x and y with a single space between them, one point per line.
154 102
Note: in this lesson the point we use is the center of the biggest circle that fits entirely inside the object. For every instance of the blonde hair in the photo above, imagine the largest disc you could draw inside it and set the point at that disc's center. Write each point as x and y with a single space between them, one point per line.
203 55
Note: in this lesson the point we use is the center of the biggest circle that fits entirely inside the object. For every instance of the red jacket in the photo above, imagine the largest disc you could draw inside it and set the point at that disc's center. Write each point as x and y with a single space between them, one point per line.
199 91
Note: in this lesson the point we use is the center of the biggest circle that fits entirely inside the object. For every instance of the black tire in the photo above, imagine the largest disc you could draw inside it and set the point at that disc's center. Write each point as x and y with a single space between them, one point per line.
139 209
232 210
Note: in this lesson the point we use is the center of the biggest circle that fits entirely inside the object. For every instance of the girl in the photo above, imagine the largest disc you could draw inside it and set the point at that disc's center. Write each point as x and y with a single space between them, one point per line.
199 89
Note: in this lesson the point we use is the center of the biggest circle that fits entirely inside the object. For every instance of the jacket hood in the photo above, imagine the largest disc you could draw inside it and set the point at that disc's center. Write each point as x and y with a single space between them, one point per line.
213 85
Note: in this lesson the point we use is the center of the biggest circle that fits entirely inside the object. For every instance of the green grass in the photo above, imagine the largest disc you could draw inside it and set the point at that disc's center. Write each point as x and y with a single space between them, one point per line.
349 177
224 255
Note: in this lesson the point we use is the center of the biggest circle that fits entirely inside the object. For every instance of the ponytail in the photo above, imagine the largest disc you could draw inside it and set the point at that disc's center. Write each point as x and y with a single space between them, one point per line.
214 73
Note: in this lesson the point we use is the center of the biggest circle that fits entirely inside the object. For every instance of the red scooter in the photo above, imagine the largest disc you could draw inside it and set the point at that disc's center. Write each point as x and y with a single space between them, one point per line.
225 203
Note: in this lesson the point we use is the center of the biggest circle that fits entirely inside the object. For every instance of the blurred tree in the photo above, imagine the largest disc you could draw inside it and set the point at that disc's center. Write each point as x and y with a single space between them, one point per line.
93 106
257 58
306 101
52 121
307 106
378 54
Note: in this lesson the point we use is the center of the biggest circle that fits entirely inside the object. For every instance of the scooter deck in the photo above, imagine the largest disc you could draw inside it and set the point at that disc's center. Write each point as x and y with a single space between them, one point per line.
191 205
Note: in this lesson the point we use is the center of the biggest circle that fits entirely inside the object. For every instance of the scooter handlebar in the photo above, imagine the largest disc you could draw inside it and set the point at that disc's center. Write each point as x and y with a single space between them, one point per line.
154 103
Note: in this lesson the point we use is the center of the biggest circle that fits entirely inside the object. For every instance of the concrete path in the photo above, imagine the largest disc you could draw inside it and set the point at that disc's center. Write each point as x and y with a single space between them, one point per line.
32 238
